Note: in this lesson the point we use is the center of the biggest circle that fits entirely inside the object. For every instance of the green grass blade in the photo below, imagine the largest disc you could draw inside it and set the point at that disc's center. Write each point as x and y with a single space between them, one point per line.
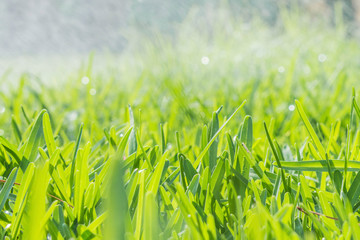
5 191
16 130
34 140
204 151
310 129
354 190
137 135
118 206
151 224
25 115
156 176
18 210
11 149
36 204
246 137
214 127
76 149
277 158
132 137
356 107
320 165
48 134
97 222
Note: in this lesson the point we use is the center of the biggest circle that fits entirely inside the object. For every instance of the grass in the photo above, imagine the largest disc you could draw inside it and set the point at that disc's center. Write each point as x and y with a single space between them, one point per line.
261 142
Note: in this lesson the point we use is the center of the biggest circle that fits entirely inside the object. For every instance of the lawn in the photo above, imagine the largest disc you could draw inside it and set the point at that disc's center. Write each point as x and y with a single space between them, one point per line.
247 131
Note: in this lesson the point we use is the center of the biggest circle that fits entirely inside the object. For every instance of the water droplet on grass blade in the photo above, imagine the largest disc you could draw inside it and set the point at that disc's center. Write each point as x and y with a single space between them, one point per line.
85 80
205 60
291 107
92 91
322 57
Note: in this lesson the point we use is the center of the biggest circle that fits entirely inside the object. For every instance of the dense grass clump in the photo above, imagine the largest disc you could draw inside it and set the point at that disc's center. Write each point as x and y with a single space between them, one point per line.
239 135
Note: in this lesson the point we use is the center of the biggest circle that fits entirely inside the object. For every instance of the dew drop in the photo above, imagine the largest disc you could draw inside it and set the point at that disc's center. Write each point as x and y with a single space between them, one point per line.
322 57
85 80
291 108
205 60
92 91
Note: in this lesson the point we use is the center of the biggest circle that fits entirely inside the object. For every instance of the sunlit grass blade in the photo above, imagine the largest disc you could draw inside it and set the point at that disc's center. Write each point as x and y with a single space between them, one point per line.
156 176
132 137
5 191
48 134
16 130
118 206
320 165
246 137
214 127
277 157
204 151
354 191
34 140
73 162
151 225
310 129
356 107
35 208
20 202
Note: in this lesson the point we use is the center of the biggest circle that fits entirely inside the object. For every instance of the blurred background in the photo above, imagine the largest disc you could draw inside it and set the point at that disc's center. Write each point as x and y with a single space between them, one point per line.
191 56
38 27
36 35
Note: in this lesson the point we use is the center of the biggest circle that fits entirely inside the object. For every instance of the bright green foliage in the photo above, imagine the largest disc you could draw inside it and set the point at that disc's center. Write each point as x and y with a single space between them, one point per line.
198 153
95 190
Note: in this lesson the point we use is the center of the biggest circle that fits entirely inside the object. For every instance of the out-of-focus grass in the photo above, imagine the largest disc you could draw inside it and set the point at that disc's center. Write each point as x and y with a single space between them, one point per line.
171 165
269 67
